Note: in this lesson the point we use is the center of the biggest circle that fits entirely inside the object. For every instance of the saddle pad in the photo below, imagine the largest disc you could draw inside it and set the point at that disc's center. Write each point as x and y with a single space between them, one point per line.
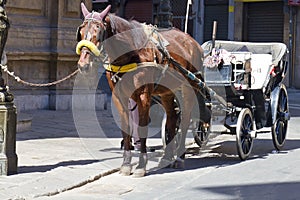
151 30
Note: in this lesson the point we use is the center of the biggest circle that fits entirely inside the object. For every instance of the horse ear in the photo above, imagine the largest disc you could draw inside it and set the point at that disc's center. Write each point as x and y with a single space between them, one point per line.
84 10
105 12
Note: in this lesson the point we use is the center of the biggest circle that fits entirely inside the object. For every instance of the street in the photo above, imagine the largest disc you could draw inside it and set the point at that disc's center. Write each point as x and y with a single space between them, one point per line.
214 172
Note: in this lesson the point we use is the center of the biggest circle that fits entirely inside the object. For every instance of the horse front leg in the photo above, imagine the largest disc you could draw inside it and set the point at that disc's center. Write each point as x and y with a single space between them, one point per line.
126 166
143 103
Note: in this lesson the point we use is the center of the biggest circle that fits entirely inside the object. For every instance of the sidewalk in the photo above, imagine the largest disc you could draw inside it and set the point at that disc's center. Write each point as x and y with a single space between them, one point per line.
62 151
65 149
51 158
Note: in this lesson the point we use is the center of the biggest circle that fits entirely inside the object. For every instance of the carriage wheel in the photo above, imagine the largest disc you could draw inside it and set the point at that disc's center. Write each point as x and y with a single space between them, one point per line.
279 128
244 126
163 131
165 135
201 132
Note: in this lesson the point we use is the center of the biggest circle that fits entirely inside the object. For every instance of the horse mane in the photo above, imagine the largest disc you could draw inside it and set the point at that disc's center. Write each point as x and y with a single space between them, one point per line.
119 24
126 37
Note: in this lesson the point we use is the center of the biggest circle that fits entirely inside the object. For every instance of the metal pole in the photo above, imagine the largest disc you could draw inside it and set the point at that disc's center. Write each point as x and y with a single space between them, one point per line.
214 33
189 2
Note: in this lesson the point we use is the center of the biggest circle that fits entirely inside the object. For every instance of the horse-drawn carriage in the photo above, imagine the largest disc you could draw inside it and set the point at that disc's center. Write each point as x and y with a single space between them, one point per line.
249 78
142 61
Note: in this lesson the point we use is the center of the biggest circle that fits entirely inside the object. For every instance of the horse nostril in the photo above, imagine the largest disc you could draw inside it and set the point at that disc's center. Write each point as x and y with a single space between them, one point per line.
84 57
86 51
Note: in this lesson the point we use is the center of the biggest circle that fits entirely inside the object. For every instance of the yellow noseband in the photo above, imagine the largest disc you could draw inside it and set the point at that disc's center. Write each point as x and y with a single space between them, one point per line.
91 46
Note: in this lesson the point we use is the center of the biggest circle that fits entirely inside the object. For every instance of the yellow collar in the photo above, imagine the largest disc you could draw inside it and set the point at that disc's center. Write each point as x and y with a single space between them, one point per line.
121 69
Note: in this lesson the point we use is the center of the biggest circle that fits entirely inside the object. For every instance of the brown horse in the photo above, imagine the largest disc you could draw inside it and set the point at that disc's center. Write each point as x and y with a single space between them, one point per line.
137 61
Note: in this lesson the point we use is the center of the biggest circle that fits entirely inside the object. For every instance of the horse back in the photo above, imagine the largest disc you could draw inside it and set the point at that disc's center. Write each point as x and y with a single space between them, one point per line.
184 49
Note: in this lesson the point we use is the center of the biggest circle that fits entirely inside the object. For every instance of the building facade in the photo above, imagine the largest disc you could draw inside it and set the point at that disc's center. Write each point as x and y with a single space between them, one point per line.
41 41
41 49
239 20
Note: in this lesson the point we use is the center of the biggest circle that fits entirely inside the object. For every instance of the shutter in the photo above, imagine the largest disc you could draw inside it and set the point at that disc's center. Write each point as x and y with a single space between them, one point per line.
216 12
265 22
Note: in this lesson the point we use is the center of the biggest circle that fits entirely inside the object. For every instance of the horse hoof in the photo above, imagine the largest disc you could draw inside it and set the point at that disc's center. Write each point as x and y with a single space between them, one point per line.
178 164
125 170
141 172
165 163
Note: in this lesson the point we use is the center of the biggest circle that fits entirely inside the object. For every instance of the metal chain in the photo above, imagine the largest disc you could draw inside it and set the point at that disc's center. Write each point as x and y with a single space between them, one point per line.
19 80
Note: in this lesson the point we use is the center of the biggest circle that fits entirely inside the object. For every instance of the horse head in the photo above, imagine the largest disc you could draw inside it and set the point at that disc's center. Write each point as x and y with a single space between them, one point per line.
103 32
90 35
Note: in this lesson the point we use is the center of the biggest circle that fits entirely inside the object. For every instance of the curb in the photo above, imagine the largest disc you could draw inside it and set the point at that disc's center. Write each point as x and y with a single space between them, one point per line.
90 180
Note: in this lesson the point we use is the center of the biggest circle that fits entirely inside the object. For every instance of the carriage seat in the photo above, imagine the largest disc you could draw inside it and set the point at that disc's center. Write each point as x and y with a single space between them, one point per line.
258 64
258 67
261 65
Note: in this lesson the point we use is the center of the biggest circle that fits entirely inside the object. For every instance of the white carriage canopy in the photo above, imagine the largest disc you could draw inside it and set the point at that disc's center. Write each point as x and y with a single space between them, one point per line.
277 50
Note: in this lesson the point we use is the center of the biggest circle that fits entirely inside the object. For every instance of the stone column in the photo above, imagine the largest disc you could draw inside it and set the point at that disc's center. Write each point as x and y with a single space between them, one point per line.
8 114
165 16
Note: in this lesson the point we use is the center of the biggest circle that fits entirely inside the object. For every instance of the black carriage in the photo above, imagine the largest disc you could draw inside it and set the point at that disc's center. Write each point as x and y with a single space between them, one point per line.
250 76
247 79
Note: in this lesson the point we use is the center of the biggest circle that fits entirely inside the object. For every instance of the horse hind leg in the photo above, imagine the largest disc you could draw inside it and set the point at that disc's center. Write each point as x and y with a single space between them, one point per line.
189 99
140 170
168 157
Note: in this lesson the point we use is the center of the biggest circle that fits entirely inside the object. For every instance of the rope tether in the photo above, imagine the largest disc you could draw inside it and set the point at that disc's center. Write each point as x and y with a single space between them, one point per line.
19 80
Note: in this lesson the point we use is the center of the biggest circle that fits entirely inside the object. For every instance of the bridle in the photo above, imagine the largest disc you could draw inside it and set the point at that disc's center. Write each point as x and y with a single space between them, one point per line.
100 24
88 36
103 33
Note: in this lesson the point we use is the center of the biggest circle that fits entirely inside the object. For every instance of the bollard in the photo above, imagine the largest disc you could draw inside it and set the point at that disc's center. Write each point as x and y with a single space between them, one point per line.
8 156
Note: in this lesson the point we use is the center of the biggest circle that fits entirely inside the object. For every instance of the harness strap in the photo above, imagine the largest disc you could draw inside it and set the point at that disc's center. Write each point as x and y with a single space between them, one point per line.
121 69
129 67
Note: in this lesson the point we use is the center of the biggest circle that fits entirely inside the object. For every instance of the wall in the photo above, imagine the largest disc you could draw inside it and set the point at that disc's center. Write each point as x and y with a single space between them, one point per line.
296 69
41 49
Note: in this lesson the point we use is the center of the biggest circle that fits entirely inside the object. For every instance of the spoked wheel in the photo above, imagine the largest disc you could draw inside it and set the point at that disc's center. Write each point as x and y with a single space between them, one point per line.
201 132
244 126
279 128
